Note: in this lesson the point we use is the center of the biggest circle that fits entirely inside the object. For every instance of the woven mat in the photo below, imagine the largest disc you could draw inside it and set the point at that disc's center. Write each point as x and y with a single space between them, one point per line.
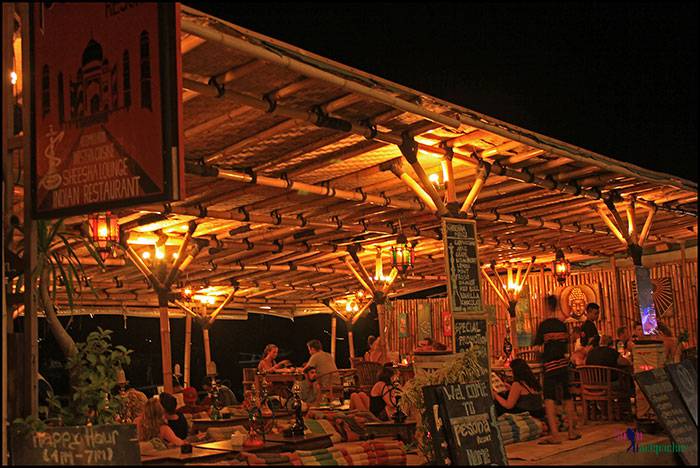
532 451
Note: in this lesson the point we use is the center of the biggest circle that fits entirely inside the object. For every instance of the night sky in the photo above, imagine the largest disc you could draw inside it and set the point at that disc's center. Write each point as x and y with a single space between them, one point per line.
619 79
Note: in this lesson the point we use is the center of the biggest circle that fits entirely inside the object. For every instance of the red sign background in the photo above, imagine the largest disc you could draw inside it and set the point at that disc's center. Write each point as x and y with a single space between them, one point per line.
106 80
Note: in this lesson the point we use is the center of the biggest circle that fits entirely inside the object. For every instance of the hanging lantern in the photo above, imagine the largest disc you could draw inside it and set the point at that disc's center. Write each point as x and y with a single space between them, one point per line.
561 268
402 255
104 230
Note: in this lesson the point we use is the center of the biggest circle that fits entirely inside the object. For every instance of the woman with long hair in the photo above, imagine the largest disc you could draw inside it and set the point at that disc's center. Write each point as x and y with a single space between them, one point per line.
152 424
268 363
381 400
524 394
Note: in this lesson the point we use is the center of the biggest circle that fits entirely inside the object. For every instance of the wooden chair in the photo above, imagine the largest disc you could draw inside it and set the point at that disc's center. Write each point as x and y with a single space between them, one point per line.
250 378
599 388
367 373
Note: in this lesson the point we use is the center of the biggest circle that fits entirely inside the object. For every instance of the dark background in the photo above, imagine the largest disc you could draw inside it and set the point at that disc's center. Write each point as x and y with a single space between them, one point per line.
619 79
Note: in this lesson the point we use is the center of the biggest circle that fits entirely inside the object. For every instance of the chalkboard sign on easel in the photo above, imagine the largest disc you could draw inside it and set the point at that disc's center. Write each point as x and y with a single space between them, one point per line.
463 424
110 444
685 378
670 411
462 265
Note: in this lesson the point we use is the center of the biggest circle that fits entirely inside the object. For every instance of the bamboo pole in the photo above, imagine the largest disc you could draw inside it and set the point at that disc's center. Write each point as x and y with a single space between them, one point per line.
29 385
351 343
359 313
613 228
415 186
188 348
632 222
358 276
180 259
527 272
616 290
449 177
207 349
647 227
333 335
475 189
618 220
495 288
218 310
166 358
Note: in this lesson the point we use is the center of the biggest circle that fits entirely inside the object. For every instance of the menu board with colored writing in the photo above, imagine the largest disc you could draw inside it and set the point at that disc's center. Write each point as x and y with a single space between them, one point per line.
463 420
462 265
670 411
110 444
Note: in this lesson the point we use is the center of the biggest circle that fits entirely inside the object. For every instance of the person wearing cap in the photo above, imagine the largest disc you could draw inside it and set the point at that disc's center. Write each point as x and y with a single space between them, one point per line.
189 395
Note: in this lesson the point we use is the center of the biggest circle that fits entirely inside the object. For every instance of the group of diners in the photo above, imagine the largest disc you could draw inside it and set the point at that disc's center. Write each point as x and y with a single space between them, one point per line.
320 372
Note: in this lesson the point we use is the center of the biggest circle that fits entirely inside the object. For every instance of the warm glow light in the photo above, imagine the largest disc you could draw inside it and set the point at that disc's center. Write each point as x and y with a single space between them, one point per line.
266 307
103 231
160 254
434 178
513 287
175 256
146 255
13 77
188 292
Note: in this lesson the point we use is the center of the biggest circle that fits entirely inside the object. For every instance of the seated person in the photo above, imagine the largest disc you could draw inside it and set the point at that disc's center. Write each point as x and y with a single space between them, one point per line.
605 355
381 400
370 341
133 402
310 388
268 363
525 392
176 421
151 424
324 364
377 352
424 345
189 395
578 357
624 342
670 342
226 395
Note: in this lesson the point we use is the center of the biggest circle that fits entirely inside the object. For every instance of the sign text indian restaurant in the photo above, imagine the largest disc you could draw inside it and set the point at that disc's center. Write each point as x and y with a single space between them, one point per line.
106 107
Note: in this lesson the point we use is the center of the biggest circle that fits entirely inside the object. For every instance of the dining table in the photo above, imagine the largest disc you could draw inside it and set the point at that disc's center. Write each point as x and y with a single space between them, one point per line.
174 456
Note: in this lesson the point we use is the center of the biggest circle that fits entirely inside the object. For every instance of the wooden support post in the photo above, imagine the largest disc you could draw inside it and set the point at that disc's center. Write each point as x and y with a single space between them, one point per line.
618 220
448 175
351 343
359 277
30 386
632 222
416 187
409 150
188 348
616 293
476 188
166 357
218 310
334 332
207 349
180 256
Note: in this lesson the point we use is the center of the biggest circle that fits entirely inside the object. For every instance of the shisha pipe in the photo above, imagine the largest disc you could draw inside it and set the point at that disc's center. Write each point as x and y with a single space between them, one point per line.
254 415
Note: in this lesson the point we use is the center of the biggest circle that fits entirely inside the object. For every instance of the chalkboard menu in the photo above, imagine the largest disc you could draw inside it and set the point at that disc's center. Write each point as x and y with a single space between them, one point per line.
670 411
462 265
111 444
685 378
472 333
463 424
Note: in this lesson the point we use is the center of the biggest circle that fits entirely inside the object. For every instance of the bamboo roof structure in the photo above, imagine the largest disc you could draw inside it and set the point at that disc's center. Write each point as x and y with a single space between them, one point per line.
291 158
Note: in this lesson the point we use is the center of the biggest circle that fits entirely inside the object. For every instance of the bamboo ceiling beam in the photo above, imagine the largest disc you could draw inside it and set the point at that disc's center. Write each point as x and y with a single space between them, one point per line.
632 223
449 178
647 227
221 306
415 186
618 220
608 222
409 150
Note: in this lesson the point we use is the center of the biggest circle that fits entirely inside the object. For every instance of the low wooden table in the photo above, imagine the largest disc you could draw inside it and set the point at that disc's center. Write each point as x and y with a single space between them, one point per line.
405 431
174 457
305 442
227 446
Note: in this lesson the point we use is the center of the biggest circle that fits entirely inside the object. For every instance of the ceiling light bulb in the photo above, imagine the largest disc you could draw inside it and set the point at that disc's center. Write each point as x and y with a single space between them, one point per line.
13 77
434 178
146 255
160 254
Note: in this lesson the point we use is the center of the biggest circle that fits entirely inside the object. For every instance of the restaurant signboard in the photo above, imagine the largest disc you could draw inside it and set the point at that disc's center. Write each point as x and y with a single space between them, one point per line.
106 106
462 265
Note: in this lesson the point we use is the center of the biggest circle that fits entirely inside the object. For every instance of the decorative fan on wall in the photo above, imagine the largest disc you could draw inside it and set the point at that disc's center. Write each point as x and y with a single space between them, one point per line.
662 291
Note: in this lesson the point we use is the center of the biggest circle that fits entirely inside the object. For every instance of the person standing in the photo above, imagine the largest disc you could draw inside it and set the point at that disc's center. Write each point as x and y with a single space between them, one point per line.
589 330
324 364
553 336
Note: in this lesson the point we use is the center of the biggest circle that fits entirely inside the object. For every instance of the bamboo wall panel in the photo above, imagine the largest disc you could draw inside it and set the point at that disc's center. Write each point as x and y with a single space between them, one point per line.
684 317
